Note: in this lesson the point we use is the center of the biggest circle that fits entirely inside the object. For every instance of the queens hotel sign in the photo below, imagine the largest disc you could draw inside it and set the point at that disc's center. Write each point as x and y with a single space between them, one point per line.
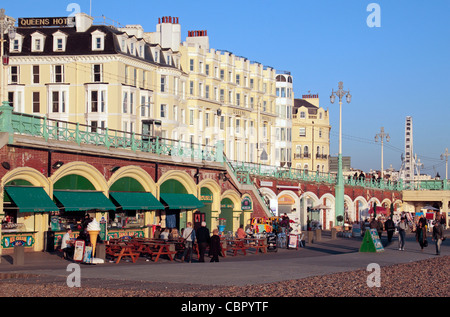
39 22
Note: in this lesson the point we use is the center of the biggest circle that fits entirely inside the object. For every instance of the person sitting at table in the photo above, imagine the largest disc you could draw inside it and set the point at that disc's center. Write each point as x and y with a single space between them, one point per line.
157 232
240 233
165 234
249 231
174 235
66 245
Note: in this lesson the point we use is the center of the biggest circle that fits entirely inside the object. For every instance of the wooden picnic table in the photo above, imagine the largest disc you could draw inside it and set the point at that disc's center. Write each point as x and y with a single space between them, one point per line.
257 243
237 245
121 250
159 248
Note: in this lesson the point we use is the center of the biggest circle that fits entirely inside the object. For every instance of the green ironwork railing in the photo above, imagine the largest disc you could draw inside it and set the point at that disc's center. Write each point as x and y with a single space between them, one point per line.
83 134
180 151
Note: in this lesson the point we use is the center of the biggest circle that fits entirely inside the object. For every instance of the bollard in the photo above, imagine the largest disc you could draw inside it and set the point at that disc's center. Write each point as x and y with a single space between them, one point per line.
19 255
100 251
318 235
333 233
310 237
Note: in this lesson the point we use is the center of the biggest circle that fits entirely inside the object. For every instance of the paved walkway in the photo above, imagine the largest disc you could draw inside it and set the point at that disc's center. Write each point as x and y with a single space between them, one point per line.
321 258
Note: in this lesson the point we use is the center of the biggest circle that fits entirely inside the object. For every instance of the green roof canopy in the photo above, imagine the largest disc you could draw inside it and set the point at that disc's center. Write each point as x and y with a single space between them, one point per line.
136 200
31 199
77 200
181 201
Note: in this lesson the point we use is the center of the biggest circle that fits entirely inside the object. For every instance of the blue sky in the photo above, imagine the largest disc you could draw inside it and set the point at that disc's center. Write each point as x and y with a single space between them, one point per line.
396 70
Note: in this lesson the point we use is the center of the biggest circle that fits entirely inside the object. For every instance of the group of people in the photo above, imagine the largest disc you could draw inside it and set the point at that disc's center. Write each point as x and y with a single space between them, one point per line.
204 239
420 229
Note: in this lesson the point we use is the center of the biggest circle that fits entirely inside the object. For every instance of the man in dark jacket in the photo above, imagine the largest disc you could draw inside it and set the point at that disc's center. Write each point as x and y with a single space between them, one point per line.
203 239
438 236
390 228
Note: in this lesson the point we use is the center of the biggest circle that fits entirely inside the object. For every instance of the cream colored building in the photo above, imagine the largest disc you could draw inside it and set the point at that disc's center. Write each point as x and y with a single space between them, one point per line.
310 135
229 99
107 77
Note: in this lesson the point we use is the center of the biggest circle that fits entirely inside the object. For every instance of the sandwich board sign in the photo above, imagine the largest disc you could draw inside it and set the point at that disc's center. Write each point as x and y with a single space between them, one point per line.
371 242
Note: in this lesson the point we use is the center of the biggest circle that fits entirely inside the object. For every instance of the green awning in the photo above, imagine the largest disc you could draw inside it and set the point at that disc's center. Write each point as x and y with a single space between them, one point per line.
181 201
31 199
136 200
77 200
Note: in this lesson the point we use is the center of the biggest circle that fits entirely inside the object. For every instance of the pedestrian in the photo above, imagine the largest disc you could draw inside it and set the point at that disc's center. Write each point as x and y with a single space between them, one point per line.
390 228
438 236
215 246
421 235
380 227
203 240
443 224
189 239
402 227
285 223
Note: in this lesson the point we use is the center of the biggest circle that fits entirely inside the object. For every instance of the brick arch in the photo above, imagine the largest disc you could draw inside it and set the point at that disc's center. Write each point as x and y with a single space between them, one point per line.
215 189
85 170
181 176
137 173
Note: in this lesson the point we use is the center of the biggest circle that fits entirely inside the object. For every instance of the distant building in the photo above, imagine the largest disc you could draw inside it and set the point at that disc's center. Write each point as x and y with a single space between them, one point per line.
310 135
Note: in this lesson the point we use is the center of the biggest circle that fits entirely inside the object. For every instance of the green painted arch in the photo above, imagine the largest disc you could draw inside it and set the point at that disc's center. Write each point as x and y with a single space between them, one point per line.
127 184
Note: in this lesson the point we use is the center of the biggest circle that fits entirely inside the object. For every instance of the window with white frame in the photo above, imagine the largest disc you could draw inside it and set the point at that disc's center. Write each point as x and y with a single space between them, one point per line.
302 131
37 42
59 41
16 44
14 74
163 111
97 73
58 73
98 40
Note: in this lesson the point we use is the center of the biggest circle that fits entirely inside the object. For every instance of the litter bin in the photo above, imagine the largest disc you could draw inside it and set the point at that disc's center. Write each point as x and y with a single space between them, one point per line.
49 241
19 255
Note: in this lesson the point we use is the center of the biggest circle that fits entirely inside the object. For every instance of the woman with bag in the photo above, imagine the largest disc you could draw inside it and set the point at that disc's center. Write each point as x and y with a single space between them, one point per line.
189 238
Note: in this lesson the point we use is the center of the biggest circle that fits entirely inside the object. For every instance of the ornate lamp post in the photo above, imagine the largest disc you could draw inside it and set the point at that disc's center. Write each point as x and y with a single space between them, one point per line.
382 135
339 189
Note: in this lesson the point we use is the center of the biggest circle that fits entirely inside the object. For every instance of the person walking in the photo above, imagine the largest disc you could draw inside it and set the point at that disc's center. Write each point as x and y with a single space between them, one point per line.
421 235
390 228
203 240
438 236
215 247
189 239
402 227
380 227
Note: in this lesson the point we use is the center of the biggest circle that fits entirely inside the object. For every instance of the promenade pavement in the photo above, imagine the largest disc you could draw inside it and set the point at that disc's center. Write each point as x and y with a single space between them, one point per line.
320 258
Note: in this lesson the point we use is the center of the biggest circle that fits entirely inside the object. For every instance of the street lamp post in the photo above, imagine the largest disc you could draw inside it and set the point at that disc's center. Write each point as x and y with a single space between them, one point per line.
6 25
446 154
339 189
382 135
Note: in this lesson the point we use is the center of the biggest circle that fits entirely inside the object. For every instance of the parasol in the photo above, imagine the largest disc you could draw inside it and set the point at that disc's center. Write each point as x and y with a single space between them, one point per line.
430 208
380 210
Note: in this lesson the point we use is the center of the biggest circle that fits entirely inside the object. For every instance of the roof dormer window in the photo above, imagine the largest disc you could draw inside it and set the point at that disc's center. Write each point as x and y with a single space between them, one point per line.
98 40
59 41
37 42
16 44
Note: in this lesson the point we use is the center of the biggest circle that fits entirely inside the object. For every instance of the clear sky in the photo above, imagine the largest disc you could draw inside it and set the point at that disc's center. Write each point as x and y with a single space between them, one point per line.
397 69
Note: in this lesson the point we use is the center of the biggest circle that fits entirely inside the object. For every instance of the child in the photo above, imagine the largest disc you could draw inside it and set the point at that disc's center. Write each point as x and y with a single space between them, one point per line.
215 246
